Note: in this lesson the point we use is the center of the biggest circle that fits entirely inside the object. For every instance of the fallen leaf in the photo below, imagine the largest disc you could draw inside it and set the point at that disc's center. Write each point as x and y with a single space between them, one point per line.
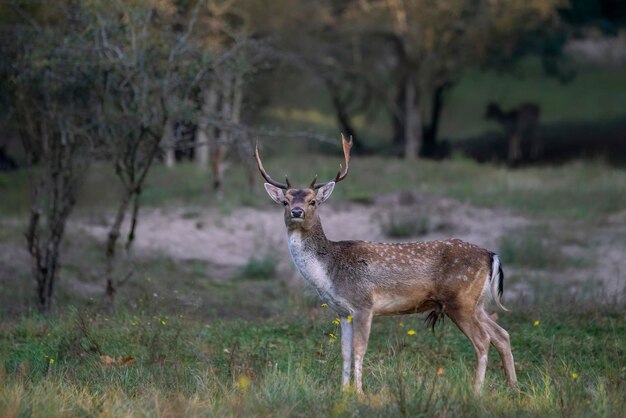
120 361
109 361
125 361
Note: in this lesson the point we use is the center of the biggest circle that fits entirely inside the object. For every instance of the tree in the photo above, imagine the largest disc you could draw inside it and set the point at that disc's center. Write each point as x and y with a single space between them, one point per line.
234 38
428 45
49 71
147 67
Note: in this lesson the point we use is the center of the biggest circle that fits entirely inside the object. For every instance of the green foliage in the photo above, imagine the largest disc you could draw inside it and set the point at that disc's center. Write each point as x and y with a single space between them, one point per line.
404 223
259 268
530 249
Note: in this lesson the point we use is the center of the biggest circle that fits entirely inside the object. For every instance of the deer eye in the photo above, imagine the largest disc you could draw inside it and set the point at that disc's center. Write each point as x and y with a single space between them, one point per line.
312 203
285 203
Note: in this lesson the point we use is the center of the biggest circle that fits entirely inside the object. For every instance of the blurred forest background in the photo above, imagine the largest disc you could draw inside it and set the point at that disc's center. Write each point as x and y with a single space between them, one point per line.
131 208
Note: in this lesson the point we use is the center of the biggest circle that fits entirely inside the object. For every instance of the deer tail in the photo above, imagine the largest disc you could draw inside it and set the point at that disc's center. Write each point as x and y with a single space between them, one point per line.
497 279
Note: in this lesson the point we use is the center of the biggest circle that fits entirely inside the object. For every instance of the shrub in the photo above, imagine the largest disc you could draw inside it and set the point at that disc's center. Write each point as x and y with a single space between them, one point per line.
262 268
405 223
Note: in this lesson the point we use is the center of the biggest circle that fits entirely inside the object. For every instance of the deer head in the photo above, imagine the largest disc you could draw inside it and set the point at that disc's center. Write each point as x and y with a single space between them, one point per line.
300 204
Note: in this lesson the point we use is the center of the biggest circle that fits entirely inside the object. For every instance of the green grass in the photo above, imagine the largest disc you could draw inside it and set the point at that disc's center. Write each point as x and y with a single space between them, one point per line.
532 247
204 346
568 365
578 190
259 268
595 95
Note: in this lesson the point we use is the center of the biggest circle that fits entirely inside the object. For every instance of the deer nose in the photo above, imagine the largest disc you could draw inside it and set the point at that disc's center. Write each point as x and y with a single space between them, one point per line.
297 213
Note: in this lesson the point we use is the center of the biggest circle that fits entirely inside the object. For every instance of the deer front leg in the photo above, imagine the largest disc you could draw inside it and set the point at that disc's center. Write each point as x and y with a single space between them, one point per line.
346 352
362 323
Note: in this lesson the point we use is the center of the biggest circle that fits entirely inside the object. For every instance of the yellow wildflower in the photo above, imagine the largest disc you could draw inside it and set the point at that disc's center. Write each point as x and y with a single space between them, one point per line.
243 382
574 376
336 321
331 335
324 305
51 360
411 332
536 323
349 318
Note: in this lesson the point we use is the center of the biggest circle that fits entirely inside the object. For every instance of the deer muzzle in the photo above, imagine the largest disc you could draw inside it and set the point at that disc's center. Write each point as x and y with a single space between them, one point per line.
297 213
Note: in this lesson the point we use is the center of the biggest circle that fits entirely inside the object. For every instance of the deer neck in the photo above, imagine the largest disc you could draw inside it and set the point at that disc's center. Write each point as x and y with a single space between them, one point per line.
309 249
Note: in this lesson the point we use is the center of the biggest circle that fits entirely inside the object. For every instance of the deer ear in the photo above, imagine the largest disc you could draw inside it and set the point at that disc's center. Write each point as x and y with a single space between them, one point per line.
275 193
325 191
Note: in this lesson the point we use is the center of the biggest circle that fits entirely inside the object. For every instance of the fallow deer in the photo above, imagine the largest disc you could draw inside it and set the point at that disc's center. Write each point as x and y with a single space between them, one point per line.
360 280
521 124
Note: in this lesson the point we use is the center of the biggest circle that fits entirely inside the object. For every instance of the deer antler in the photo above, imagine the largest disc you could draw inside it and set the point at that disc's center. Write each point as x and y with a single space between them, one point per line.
340 176
284 186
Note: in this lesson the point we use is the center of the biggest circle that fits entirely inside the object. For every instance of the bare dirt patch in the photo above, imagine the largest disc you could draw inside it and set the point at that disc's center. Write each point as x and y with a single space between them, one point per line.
226 242
221 243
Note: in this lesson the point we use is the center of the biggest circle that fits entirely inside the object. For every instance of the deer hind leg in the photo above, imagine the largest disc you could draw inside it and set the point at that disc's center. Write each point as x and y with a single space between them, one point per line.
475 328
501 341
346 352
362 324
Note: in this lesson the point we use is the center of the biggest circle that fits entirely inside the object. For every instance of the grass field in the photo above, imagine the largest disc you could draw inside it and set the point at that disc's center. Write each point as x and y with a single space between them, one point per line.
277 354
569 364
254 344
578 190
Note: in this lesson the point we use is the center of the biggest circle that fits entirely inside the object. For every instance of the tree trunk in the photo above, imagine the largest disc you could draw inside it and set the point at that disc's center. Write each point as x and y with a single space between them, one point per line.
46 279
205 134
133 219
242 143
341 113
398 119
218 152
114 234
168 143
133 184
413 121
235 116
58 190
431 132
345 124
